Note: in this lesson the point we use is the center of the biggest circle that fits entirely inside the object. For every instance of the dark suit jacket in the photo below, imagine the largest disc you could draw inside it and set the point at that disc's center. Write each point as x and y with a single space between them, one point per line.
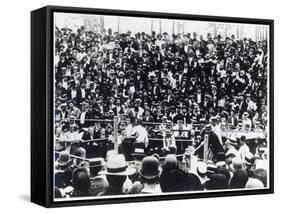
79 95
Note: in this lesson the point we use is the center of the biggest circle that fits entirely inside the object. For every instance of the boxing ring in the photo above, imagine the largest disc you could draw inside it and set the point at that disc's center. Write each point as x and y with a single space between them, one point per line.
115 137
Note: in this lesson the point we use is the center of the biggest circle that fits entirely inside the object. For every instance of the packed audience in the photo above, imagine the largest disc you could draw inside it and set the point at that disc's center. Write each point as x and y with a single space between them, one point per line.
168 92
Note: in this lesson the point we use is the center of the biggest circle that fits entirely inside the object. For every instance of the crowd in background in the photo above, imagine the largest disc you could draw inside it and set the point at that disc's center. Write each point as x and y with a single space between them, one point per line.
159 86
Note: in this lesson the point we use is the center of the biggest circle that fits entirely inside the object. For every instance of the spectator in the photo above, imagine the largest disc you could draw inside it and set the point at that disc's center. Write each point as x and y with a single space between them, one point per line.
238 180
116 174
192 86
149 174
81 182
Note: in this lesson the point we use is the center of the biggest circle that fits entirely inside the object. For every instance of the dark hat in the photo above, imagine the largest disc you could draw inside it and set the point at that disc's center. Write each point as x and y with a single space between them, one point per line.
79 152
65 128
64 158
243 138
96 162
220 156
149 168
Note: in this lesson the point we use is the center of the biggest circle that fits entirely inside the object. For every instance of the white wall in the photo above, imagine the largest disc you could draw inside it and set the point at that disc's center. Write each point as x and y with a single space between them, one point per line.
15 107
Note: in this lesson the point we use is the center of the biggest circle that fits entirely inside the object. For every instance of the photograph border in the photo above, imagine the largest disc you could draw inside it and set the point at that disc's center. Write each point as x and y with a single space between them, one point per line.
48 113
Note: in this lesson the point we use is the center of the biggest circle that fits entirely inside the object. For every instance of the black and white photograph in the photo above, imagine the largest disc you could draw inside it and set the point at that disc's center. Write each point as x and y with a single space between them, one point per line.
147 106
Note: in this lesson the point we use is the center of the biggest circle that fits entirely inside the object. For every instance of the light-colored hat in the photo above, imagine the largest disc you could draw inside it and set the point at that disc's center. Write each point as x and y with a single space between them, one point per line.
110 153
202 167
116 165
236 163
254 183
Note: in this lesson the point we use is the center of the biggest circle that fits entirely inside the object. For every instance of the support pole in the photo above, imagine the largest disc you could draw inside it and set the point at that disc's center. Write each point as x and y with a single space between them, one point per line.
206 147
115 133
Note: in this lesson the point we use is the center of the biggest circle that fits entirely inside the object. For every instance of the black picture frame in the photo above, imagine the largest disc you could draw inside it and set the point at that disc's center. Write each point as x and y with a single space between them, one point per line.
42 99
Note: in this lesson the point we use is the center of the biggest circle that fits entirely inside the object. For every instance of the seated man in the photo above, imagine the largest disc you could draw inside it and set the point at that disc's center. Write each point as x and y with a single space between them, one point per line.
169 143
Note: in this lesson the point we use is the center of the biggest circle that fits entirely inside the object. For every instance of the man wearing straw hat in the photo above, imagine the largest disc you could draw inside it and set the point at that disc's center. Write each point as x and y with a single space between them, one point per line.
116 174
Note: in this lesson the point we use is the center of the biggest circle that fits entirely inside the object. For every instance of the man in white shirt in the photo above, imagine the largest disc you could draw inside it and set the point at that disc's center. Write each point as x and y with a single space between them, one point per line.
169 142
180 129
244 149
140 133
251 105
246 122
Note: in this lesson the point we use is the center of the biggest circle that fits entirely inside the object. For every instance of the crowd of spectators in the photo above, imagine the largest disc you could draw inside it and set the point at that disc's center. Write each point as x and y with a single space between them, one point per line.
177 83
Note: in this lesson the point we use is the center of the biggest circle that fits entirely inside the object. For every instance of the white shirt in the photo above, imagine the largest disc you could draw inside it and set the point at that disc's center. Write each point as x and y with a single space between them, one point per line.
199 98
128 130
83 93
72 136
140 112
184 132
142 135
65 84
252 105
245 122
169 142
82 117
63 114
73 93
243 151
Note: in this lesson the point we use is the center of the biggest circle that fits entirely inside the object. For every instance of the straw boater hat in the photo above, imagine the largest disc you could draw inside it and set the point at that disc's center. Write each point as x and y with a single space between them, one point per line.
116 165
110 153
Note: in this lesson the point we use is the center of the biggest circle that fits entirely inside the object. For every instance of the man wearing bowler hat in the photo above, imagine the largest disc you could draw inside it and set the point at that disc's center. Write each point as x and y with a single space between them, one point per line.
149 173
